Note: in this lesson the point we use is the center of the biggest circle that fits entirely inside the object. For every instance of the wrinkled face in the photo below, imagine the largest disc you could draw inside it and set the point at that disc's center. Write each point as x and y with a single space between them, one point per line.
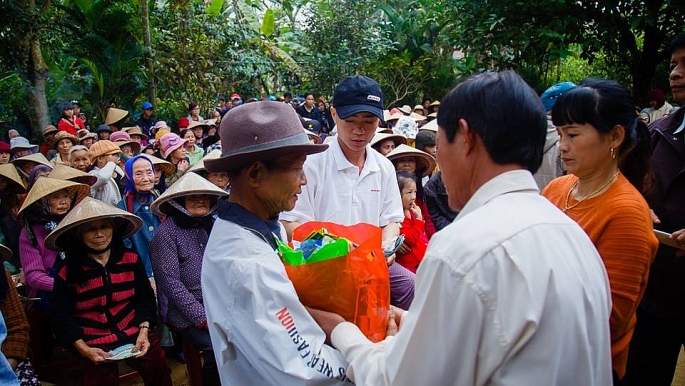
677 76
219 179
386 146
406 164
197 205
4 157
584 150
59 202
97 234
63 146
280 186
143 175
355 131
408 193
79 160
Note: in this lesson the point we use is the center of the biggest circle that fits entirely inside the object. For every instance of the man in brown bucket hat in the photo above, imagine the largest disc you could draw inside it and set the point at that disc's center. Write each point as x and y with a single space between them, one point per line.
261 333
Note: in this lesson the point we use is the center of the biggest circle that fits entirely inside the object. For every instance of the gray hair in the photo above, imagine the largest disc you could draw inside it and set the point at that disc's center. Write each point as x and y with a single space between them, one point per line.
77 148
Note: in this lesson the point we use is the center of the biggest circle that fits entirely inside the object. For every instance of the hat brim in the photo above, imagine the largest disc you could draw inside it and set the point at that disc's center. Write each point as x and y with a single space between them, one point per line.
135 146
424 161
45 186
9 171
183 143
90 209
349 110
238 160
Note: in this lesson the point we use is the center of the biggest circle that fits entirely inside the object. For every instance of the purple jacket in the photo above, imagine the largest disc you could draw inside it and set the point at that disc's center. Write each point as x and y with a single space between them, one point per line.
176 256
36 261
665 293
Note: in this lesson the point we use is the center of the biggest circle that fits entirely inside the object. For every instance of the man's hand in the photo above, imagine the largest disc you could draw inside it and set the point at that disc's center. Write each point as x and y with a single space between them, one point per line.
326 320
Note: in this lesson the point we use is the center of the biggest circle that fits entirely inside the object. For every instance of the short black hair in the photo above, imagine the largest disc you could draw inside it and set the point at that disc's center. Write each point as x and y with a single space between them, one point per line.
287 95
677 42
504 111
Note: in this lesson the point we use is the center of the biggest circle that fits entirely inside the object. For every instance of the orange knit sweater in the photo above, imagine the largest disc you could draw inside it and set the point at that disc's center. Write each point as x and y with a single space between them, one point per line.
619 224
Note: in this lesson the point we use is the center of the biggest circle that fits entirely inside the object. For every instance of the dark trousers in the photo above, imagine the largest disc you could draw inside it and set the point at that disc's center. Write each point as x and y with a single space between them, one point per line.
199 339
654 351
152 367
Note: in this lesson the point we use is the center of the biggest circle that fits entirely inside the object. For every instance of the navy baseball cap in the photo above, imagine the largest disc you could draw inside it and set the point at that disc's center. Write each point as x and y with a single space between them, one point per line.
356 94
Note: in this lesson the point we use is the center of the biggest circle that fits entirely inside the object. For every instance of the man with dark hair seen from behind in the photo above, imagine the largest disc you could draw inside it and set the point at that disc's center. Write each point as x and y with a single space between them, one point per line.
512 292
660 330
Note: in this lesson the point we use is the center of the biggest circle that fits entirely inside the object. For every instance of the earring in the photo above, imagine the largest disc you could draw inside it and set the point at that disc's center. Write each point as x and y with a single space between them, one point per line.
613 155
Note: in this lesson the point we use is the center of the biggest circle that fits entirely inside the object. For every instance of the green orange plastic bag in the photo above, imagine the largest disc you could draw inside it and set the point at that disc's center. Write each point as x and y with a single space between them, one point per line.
355 286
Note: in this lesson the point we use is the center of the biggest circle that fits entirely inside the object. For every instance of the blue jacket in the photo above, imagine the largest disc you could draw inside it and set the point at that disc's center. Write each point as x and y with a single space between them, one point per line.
140 241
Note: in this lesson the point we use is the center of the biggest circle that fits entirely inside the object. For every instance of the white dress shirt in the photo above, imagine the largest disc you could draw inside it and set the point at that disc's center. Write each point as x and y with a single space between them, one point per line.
511 293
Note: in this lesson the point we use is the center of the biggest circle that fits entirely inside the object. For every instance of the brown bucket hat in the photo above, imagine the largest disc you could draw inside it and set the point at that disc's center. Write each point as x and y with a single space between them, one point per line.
165 166
90 209
189 184
64 172
424 160
16 185
260 131
49 129
45 186
115 115
135 130
102 147
64 135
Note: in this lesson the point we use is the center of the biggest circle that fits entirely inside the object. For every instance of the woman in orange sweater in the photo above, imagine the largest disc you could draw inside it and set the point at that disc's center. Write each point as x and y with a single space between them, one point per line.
605 149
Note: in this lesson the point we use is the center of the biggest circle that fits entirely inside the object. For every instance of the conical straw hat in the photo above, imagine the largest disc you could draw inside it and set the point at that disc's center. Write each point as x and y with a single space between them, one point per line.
165 166
397 138
424 160
189 184
63 172
114 115
135 130
125 224
430 126
37 157
385 130
199 166
45 186
9 171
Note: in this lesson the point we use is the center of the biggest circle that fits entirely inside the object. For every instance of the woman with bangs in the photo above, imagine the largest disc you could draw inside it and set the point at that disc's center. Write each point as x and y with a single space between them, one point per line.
605 148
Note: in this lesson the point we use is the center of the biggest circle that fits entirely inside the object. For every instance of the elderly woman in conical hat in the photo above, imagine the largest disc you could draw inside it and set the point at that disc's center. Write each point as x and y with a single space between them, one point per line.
103 299
176 253
46 204
11 187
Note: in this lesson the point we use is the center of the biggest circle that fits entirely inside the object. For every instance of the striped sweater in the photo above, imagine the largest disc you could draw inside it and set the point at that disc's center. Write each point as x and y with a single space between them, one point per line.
108 304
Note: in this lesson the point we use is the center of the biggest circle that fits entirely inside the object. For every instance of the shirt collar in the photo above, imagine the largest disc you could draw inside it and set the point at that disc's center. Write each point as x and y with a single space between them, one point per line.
235 213
341 162
509 182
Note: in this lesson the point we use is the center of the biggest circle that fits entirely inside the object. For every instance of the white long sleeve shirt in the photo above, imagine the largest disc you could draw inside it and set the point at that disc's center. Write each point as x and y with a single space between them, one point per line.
511 293
261 333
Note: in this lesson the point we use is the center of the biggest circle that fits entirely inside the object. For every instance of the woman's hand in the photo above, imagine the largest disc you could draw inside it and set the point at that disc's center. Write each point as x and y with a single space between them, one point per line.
679 237
183 165
96 355
142 343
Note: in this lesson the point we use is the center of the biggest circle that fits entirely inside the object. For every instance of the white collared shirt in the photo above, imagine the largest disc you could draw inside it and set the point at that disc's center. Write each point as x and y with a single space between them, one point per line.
337 192
512 292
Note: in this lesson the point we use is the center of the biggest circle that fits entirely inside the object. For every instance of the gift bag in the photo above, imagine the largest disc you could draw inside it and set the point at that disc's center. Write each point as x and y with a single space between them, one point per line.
355 285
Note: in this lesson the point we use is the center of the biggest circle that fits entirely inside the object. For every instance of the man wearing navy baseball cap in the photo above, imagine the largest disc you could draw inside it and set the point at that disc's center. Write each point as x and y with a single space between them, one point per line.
365 187
146 120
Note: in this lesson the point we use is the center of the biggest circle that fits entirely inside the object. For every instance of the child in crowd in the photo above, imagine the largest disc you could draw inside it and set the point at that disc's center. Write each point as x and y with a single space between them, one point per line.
411 252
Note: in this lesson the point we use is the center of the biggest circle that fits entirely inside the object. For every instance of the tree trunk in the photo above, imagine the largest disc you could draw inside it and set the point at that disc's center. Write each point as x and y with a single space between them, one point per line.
147 41
34 80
